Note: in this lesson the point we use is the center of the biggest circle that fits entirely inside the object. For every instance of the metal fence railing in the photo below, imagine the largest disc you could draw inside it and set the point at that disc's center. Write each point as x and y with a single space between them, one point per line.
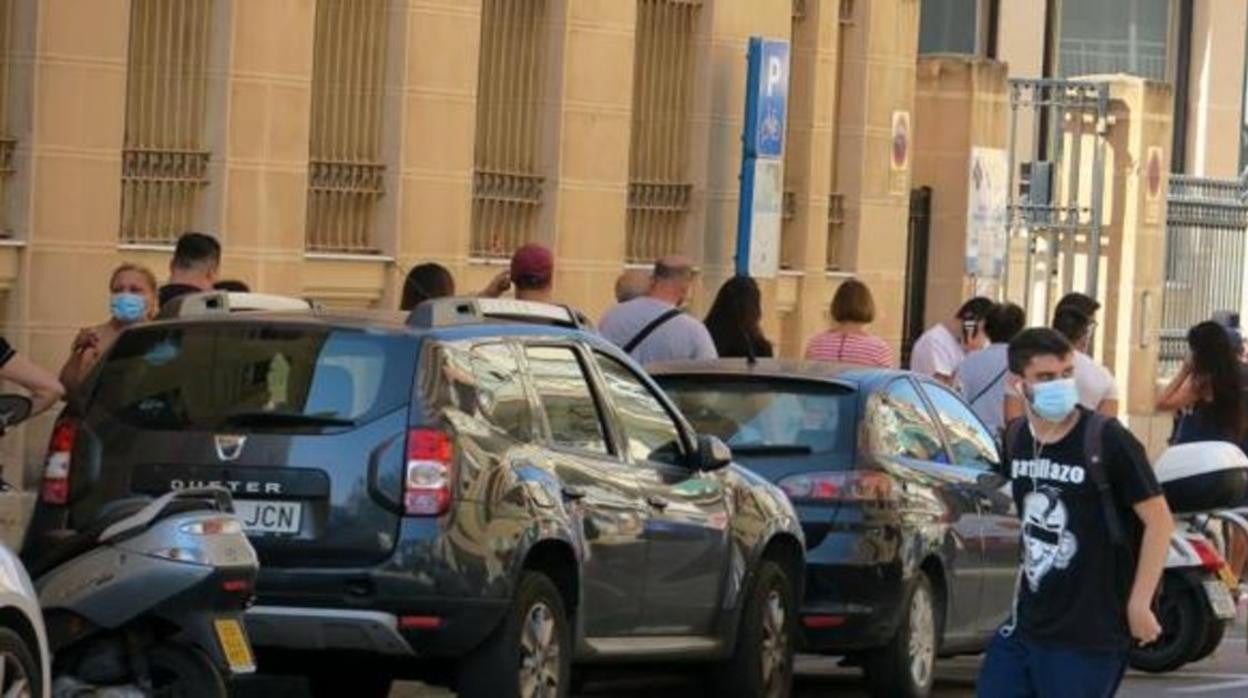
164 164
507 179
659 187
345 172
1206 225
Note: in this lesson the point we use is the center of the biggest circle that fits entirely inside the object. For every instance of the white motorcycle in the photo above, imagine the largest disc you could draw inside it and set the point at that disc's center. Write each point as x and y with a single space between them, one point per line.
1199 591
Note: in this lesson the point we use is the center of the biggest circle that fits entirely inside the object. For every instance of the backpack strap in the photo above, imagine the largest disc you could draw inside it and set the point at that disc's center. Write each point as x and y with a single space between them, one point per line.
1093 446
649 329
1009 445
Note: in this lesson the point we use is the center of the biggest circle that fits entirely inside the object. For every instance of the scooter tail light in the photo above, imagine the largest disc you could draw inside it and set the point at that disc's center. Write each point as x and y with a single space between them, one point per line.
57 465
1209 558
428 473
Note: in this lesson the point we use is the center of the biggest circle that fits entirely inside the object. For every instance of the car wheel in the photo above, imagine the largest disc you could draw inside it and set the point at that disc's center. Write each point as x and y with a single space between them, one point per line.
530 655
21 672
1184 628
1213 640
762 662
906 666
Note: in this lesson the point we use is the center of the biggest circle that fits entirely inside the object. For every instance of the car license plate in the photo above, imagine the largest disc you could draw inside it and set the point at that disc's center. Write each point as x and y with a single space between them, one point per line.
234 645
258 516
1220 599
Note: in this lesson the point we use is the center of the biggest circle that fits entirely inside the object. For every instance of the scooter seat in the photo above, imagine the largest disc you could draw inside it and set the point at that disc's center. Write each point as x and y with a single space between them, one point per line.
83 541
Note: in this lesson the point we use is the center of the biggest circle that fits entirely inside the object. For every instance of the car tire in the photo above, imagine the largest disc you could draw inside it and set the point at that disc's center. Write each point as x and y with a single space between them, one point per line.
531 649
1184 628
761 665
905 667
20 666
1213 639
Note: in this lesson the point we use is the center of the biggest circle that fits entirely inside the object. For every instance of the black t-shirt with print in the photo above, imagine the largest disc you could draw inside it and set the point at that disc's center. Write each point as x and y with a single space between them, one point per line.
1075 582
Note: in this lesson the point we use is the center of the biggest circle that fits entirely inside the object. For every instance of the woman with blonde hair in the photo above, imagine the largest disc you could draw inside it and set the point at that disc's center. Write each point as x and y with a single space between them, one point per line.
848 341
132 299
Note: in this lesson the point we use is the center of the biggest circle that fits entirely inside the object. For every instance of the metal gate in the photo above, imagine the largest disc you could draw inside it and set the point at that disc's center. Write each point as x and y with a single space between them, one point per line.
1206 223
917 247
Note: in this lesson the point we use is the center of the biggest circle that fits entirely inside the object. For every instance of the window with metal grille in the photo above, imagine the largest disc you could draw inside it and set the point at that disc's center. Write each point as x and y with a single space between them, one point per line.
345 173
164 164
659 187
507 180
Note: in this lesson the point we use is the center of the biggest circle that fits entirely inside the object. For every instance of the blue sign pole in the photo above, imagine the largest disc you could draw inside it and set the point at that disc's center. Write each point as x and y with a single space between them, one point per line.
759 210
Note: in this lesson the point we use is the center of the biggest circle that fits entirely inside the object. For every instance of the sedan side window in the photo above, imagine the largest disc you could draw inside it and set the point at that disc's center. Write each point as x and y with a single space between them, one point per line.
901 425
571 409
970 441
650 432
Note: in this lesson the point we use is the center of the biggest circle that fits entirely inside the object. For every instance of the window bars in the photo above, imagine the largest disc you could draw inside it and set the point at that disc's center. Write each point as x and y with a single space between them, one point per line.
507 182
659 190
345 173
164 165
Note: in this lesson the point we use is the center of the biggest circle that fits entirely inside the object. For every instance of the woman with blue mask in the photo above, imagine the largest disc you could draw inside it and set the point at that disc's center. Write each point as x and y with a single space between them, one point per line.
132 299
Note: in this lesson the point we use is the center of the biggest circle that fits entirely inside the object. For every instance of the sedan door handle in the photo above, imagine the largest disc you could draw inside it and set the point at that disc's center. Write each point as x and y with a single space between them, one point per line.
573 493
657 502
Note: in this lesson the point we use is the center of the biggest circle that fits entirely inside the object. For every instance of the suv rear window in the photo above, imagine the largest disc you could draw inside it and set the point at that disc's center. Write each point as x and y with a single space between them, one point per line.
763 414
241 377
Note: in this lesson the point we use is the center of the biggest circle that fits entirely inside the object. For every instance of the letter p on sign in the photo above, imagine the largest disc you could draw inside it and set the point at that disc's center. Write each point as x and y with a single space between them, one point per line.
775 73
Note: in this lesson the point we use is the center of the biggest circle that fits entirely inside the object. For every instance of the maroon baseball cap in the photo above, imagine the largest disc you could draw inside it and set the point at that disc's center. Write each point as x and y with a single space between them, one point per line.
533 263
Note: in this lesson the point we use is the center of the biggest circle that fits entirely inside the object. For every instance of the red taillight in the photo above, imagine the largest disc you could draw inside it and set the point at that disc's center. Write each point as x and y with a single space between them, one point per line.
55 489
419 622
849 485
821 622
427 481
1209 557
236 586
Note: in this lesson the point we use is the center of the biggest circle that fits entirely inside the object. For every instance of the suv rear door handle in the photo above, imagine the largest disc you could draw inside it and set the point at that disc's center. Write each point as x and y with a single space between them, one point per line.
574 493
657 502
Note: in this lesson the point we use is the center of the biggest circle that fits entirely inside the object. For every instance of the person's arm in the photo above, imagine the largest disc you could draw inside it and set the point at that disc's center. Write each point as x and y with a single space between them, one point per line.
500 284
1158 526
1108 407
82 357
1179 393
45 389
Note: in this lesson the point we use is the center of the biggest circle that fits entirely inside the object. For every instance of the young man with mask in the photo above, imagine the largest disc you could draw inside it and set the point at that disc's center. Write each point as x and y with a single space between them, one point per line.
1095 531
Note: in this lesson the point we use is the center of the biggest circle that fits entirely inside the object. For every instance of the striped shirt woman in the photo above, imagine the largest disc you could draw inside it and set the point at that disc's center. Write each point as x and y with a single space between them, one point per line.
853 309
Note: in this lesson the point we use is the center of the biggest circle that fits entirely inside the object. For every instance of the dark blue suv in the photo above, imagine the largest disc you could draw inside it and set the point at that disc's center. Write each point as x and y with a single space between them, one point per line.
484 481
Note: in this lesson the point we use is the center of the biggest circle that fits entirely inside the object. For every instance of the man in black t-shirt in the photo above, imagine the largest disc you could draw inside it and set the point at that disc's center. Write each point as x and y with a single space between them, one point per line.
1084 594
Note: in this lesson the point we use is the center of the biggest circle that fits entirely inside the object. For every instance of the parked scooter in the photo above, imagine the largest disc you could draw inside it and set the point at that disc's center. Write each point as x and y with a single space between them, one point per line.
148 600
1197 597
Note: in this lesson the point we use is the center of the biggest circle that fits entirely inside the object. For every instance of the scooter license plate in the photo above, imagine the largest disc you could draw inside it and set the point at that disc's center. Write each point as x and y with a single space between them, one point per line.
234 645
1220 599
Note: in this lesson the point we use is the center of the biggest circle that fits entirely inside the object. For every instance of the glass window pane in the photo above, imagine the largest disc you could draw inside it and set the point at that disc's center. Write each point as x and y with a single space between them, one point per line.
650 430
969 440
565 394
901 426
948 26
501 400
1114 36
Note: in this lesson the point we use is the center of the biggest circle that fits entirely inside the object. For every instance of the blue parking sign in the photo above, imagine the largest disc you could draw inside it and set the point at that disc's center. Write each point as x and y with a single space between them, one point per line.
767 96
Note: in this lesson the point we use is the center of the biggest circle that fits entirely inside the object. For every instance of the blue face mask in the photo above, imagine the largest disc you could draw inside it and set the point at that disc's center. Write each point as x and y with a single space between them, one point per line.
128 307
1055 400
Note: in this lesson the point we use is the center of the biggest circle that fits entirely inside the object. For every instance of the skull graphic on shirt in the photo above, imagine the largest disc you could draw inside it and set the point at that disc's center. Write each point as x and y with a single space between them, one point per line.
1047 544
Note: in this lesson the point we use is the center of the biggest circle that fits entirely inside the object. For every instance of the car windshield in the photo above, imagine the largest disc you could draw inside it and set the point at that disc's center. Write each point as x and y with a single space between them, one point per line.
773 416
251 377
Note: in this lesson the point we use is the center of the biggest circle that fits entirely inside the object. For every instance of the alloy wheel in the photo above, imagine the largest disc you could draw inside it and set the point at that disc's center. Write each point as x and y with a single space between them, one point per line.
775 645
539 653
922 637
14 682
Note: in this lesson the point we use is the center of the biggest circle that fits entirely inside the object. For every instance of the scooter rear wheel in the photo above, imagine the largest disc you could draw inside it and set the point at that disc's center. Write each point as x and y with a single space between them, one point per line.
179 671
1184 625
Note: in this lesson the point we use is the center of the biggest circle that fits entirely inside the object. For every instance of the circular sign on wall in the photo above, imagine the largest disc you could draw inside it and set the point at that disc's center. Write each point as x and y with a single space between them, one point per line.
901 141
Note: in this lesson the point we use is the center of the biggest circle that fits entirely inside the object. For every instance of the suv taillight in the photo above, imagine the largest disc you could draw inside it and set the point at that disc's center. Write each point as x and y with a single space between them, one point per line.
843 486
55 489
427 481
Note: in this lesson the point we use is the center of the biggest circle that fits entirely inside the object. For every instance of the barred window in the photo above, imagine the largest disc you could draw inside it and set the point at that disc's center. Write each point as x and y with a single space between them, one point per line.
164 164
507 181
345 173
7 143
659 187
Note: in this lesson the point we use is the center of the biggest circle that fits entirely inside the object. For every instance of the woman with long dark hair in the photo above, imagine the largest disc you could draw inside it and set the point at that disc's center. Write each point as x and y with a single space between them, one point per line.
1206 392
735 320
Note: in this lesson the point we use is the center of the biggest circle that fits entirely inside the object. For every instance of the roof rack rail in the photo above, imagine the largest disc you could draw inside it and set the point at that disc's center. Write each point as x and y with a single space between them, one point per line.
451 312
224 302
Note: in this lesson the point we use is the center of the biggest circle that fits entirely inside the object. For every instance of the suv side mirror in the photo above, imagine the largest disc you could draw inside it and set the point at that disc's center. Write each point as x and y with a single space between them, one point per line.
713 454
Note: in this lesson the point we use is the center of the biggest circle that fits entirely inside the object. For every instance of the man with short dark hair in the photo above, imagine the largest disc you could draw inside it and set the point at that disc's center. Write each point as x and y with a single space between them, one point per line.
1081 302
941 349
1095 530
653 327
982 375
1097 389
193 269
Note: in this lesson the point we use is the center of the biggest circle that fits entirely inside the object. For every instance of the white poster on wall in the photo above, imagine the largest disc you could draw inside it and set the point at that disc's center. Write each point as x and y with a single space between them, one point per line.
986 213
767 213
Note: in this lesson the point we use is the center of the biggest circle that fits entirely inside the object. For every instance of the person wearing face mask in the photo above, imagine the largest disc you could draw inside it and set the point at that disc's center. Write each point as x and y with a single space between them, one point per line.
1095 529
132 299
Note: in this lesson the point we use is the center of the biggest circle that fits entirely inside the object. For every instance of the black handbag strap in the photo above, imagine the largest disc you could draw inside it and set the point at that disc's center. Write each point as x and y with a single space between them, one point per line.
649 329
984 391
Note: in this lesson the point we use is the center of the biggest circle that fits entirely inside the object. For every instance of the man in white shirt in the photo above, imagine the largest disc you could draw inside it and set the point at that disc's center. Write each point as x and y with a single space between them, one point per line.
653 328
941 349
1096 386
982 375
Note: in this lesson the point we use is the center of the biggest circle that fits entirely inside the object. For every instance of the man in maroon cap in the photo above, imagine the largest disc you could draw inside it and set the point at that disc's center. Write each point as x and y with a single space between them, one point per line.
533 273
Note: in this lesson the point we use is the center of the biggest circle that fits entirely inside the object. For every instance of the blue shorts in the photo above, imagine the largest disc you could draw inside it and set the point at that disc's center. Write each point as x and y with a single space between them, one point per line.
1017 668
